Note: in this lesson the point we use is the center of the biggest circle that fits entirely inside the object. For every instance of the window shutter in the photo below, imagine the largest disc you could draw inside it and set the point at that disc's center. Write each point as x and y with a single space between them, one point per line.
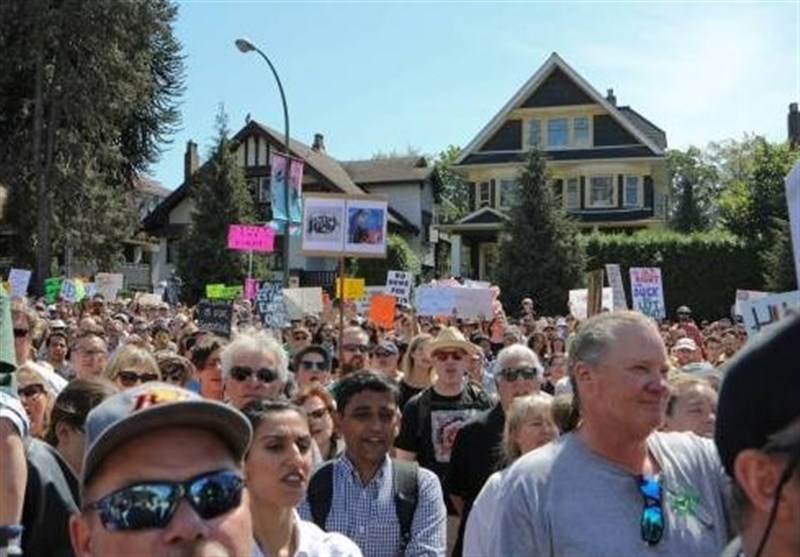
648 192
471 188
620 191
493 194
583 192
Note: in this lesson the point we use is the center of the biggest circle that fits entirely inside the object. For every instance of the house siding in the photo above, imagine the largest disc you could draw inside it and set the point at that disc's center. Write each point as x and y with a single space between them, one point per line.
507 138
607 131
557 90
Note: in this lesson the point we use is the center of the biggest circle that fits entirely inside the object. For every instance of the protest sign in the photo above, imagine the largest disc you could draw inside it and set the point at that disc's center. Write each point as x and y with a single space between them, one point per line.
109 284
362 304
148 300
398 283
594 301
744 296
381 310
353 288
18 280
222 291
473 302
91 289
793 199
52 289
339 225
578 301
72 290
215 316
435 300
244 237
615 282
249 288
302 301
763 313
647 292
477 284
269 303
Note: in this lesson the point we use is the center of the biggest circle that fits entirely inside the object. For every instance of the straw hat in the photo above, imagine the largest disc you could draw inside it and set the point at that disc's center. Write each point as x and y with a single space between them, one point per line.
450 338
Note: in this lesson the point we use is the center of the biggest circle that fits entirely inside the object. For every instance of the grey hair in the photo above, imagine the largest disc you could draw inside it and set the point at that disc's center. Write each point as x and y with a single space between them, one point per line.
255 343
597 334
518 351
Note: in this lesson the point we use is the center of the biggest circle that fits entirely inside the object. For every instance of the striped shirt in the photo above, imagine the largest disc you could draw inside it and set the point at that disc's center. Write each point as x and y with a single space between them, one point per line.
366 513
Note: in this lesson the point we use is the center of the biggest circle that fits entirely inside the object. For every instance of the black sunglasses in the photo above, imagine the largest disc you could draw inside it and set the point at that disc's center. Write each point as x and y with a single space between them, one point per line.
265 375
30 391
172 374
310 366
20 333
131 378
363 348
652 520
147 505
514 373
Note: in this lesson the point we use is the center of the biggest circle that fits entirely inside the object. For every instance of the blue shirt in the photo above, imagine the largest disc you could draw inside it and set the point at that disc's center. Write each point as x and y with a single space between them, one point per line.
366 513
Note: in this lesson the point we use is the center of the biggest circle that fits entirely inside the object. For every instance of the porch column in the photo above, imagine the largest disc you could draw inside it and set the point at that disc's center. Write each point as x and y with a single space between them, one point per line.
455 255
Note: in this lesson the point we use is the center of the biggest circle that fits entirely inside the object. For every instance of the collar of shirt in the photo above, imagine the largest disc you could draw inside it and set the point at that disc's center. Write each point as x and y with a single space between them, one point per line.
348 468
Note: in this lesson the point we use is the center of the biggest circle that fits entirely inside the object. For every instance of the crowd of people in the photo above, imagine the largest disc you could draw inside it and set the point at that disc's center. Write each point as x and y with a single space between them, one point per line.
129 430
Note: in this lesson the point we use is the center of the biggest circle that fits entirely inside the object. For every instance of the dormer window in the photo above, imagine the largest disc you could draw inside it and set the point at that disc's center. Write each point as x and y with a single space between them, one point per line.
562 133
580 132
557 133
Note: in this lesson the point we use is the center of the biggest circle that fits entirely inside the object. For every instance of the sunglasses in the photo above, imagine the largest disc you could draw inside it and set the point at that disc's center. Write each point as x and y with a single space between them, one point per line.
652 520
310 366
148 505
21 333
299 338
265 375
31 391
131 378
514 373
318 414
443 355
363 348
172 374
383 353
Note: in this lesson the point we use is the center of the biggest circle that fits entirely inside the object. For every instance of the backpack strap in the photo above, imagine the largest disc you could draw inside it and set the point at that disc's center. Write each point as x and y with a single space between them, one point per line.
405 497
320 494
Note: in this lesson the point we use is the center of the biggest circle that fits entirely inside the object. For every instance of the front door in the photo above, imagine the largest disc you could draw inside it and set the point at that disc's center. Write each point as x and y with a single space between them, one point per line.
487 261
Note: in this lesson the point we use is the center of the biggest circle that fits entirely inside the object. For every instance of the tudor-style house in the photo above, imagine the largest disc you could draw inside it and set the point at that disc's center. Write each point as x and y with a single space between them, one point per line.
606 163
408 183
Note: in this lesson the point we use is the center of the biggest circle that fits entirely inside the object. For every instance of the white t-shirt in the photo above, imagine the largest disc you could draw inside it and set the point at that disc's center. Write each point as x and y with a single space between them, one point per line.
314 542
478 535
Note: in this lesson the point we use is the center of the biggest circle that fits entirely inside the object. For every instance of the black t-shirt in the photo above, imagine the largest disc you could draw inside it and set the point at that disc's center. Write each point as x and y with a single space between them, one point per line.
431 422
406 392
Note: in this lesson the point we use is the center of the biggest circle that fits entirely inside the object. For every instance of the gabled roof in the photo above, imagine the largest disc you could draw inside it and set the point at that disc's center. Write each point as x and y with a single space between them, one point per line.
537 79
392 170
145 184
484 215
646 126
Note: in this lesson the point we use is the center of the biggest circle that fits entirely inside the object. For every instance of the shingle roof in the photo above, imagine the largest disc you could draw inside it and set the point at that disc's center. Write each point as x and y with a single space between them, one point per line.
653 132
146 184
391 170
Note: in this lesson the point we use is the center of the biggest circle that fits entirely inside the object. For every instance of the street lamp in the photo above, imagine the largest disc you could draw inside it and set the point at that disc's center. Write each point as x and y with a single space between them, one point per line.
245 45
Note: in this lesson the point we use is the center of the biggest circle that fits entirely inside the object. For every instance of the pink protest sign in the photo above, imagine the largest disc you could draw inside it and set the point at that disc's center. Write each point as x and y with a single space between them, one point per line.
257 238
249 288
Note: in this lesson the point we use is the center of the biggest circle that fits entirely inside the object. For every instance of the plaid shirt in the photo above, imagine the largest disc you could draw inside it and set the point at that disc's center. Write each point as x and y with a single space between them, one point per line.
366 513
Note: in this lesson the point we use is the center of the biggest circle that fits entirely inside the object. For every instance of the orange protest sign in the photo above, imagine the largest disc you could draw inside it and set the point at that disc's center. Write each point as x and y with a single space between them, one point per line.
381 310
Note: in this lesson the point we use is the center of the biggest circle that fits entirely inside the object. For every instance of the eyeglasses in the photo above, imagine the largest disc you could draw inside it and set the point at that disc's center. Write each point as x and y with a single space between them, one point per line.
310 366
514 373
265 375
146 505
652 521
21 333
31 391
173 374
318 414
131 378
383 353
443 355
363 348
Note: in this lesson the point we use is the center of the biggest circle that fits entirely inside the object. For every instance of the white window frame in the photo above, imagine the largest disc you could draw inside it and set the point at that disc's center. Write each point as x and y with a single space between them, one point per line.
577 204
481 200
500 182
589 190
639 191
574 138
566 145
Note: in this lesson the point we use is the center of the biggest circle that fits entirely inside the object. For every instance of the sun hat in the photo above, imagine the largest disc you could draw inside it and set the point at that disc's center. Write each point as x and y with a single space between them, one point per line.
450 338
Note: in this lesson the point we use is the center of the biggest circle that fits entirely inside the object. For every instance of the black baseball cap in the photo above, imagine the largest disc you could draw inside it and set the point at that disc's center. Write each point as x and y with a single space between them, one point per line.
760 395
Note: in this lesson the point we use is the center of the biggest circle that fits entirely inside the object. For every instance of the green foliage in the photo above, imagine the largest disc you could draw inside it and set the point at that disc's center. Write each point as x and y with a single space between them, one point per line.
701 270
452 193
540 254
778 259
694 188
221 197
399 257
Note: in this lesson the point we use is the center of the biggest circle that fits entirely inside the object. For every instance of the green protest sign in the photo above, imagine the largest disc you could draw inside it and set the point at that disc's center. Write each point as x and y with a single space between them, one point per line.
52 288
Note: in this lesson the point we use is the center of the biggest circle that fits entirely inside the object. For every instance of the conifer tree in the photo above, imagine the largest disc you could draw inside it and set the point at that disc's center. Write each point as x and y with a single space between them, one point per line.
540 255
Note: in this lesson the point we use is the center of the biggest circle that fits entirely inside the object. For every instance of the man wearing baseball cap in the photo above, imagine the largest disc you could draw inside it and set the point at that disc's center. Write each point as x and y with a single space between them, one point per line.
758 439
162 470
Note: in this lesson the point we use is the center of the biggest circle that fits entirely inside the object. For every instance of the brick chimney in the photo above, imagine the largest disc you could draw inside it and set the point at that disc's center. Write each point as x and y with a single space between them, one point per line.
319 143
191 161
793 124
610 97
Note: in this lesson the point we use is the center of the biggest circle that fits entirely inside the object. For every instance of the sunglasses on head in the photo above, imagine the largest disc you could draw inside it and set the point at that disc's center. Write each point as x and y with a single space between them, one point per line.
364 348
652 520
148 505
444 355
311 366
131 378
30 391
172 374
264 374
514 373
21 333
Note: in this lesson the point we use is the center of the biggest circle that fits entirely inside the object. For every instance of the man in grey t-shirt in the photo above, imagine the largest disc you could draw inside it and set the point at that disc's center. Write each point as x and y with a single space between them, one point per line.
616 486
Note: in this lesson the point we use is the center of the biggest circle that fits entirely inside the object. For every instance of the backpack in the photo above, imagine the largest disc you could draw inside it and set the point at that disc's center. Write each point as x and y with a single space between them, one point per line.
404 478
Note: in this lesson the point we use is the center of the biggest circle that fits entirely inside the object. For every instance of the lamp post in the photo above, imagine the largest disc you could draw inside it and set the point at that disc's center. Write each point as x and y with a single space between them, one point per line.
245 45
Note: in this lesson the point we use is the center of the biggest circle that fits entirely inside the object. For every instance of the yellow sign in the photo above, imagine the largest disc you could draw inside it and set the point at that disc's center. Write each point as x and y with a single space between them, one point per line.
353 288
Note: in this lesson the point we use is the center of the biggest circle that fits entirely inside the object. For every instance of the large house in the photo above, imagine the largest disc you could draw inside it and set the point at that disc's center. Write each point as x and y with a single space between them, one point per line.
606 163
408 183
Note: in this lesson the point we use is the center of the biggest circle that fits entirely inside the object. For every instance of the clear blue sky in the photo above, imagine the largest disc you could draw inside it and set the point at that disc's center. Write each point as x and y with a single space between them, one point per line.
384 76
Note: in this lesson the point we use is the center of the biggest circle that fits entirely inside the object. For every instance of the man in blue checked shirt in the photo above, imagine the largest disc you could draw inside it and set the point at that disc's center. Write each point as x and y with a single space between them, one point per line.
362 485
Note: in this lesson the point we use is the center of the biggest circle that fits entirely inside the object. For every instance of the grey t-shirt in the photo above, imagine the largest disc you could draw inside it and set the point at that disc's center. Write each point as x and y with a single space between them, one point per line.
563 499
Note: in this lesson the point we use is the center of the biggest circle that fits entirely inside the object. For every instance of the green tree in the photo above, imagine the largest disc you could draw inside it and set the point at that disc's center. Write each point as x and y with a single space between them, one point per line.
540 253
399 257
452 193
694 187
88 95
221 197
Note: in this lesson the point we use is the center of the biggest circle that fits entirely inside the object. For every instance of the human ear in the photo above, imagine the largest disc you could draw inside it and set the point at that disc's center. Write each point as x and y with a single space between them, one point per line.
758 475
80 536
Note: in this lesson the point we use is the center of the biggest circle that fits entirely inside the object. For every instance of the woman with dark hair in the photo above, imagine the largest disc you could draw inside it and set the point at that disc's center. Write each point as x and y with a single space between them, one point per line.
208 364
277 470
538 343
